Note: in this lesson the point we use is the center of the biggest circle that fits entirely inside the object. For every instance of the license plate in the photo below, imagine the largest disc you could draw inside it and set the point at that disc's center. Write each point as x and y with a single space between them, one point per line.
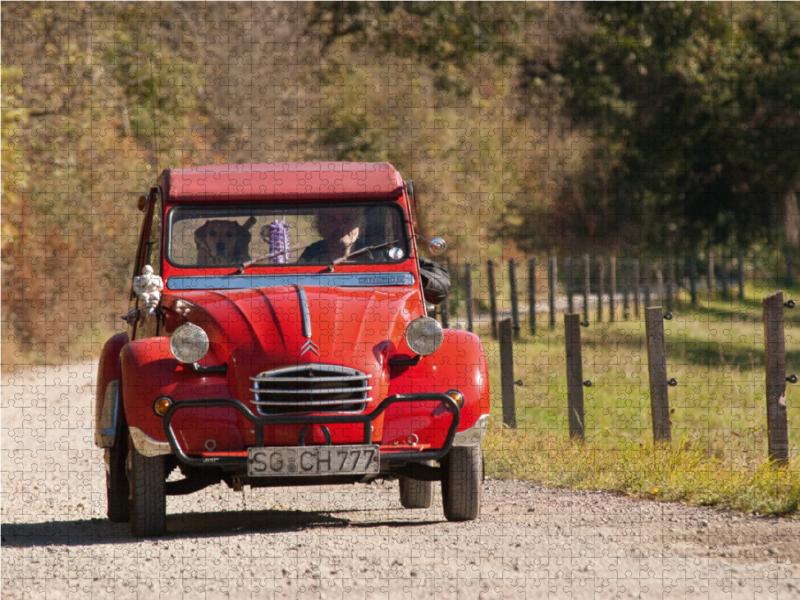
313 460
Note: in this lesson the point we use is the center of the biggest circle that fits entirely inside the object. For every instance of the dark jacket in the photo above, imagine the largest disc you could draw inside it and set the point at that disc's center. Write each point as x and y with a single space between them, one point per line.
318 252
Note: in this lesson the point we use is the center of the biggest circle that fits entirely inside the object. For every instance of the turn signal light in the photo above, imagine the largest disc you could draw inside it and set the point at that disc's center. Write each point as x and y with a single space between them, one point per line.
161 405
457 396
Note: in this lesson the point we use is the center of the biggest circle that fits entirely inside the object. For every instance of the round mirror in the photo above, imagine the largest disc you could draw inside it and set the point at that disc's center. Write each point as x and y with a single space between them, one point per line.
437 246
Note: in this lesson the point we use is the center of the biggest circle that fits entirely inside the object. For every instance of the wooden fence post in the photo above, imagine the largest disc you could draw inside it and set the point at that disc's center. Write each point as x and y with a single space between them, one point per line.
712 281
648 278
626 303
670 282
636 283
659 287
755 268
612 299
775 363
601 268
657 366
692 260
446 304
468 294
507 373
788 258
532 294
572 336
492 297
740 266
568 283
725 274
512 278
587 282
552 291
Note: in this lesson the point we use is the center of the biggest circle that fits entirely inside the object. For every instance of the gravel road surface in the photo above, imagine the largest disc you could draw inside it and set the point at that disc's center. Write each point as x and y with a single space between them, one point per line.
349 542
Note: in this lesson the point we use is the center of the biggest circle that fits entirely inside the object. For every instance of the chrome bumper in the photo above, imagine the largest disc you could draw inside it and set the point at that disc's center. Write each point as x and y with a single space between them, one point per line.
474 435
147 446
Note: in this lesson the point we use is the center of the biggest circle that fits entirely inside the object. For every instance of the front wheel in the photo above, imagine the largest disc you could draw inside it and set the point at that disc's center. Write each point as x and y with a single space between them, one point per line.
148 495
462 483
415 493
118 505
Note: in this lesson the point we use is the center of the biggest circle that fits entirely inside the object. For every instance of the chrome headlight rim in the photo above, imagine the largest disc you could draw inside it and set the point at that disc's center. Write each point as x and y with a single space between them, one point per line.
189 343
424 336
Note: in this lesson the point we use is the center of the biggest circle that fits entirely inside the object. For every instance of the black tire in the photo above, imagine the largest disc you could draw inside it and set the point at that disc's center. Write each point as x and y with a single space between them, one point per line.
118 506
148 494
462 483
415 493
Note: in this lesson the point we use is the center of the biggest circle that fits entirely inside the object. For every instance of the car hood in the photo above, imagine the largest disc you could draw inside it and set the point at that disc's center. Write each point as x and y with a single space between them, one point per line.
259 329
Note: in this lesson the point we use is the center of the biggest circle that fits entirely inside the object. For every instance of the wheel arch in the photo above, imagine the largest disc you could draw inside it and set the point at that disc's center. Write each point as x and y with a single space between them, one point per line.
107 404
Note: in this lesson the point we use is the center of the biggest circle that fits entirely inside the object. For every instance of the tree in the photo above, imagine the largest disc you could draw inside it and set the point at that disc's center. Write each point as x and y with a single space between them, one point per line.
694 109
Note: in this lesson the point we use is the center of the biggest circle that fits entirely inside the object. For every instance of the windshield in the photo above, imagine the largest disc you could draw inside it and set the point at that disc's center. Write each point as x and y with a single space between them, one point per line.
227 236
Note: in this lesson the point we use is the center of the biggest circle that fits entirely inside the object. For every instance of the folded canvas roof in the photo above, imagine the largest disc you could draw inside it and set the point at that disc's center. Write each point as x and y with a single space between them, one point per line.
282 181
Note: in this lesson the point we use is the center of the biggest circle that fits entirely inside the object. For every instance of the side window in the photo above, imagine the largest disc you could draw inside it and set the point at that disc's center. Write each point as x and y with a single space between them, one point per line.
152 251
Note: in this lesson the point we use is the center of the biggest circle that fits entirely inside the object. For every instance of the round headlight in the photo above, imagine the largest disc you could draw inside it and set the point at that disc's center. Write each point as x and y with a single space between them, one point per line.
189 343
424 335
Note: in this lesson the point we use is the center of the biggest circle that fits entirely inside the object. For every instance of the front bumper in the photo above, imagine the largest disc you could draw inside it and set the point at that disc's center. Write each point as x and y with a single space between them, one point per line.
239 462
474 435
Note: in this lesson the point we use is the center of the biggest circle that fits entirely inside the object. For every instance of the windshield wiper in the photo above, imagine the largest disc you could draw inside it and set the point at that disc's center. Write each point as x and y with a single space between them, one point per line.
244 265
333 263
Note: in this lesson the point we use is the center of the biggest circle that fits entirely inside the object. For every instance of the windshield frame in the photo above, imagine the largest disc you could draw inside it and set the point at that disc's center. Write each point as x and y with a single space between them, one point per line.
393 204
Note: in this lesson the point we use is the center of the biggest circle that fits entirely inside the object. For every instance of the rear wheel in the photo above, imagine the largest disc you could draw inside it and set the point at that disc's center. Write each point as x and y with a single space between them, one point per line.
462 483
117 489
415 493
148 498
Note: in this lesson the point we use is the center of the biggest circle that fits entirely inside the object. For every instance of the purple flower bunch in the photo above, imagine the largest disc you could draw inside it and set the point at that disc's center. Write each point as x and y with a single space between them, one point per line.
278 238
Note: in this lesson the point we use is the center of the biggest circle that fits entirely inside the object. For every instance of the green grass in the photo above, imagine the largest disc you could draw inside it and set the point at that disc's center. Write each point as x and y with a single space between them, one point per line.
719 451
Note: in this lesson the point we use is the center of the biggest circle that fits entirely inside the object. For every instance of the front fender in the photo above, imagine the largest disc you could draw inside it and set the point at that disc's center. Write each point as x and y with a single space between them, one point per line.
459 364
149 371
106 396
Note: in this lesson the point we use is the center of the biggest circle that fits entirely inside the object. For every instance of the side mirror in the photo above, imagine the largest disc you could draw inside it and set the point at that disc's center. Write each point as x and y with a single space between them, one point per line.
437 246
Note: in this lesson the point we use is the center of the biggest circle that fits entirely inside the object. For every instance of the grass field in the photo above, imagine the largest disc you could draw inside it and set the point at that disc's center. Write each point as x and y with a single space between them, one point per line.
719 451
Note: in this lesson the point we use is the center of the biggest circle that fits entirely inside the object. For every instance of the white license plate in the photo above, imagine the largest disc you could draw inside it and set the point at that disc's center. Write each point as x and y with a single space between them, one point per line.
313 460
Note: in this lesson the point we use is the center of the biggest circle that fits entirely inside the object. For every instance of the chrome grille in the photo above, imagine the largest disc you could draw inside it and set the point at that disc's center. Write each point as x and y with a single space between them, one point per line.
310 388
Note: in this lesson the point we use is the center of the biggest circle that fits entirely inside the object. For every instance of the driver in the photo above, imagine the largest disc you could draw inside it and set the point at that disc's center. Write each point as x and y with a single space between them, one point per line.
340 227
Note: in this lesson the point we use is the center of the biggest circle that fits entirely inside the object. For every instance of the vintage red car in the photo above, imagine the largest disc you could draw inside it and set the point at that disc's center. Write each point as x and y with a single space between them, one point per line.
278 336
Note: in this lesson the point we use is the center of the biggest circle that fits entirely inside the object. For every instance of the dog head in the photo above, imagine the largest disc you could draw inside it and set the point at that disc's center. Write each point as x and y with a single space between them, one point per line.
223 243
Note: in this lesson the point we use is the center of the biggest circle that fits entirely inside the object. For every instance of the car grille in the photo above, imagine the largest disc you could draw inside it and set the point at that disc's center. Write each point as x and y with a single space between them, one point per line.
310 388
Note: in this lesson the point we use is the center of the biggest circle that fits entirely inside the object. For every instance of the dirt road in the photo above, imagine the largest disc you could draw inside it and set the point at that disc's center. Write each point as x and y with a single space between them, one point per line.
350 542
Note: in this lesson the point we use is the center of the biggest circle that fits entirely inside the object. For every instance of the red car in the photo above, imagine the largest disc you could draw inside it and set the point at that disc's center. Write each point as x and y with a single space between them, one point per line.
278 336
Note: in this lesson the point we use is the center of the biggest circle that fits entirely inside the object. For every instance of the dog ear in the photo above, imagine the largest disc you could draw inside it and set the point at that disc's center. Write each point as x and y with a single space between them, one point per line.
200 233
243 237
200 240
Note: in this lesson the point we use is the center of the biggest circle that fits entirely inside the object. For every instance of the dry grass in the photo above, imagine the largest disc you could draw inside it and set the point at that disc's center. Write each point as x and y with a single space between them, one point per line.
682 473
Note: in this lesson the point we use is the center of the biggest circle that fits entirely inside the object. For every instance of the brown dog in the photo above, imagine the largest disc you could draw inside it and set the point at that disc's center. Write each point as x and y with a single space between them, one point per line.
223 243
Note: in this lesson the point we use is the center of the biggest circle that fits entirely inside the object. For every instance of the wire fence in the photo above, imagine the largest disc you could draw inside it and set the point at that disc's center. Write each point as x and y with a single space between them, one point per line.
717 388
602 288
